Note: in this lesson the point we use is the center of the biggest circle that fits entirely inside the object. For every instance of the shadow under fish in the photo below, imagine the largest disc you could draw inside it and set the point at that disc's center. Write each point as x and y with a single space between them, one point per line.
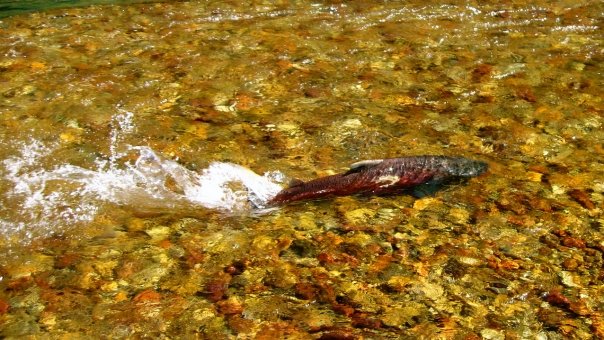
418 175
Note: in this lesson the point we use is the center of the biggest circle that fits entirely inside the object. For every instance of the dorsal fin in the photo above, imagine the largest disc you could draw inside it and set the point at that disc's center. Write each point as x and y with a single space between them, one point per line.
295 182
362 165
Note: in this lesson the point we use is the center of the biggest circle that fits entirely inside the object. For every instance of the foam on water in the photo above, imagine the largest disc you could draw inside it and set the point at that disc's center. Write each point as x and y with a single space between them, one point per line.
41 201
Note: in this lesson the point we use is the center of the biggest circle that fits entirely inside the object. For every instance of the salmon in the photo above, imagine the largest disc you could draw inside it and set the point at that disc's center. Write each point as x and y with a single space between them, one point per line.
383 177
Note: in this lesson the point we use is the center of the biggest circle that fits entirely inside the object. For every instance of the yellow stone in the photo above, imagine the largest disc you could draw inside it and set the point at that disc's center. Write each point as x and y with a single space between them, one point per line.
91 47
68 137
36 65
109 286
33 264
404 100
460 215
105 268
260 111
399 282
121 296
398 316
534 176
361 215
431 290
423 203
307 221
158 233
48 320
136 224
199 130
263 242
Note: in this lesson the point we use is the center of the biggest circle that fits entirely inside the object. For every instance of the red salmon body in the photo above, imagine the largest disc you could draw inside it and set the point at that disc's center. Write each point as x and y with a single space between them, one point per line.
381 177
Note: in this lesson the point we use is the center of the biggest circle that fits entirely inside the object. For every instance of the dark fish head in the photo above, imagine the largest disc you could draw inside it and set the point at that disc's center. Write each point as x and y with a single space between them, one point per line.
463 167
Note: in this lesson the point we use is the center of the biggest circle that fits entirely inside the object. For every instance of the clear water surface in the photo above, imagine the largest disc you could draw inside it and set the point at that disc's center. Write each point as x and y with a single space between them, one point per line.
140 142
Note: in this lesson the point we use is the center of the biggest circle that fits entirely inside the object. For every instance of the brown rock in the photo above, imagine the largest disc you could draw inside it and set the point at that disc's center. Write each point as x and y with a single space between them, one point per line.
305 291
4 307
245 101
230 307
237 267
277 330
240 324
66 260
551 317
315 92
364 320
570 264
597 326
326 258
194 256
381 263
582 198
556 298
338 335
343 309
147 295
526 93
481 71
573 242
216 288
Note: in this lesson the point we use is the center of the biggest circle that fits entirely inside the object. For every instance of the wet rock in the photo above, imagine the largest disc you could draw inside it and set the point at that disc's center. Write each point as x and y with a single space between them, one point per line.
237 267
4 307
230 306
455 268
365 320
263 308
216 288
571 264
30 265
158 233
431 290
105 268
240 325
481 72
339 335
307 221
568 279
402 316
597 326
526 93
582 198
147 296
306 291
281 276
492 334
424 203
304 248
136 224
149 276
359 216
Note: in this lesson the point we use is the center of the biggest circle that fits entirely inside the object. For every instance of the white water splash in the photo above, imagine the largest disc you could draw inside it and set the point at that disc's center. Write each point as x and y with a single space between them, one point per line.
44 201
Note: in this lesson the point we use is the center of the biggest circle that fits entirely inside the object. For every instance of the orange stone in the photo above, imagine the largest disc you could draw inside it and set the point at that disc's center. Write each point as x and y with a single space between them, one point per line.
147 295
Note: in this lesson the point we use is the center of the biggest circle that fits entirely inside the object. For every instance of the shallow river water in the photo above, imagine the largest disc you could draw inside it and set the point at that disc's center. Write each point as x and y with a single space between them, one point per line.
140 143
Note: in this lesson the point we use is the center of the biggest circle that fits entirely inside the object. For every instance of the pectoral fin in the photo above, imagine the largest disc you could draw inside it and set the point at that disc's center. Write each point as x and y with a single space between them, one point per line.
434 185
428 189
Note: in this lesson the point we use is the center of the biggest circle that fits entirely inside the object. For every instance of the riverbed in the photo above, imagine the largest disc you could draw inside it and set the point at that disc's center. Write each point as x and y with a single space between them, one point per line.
108 115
